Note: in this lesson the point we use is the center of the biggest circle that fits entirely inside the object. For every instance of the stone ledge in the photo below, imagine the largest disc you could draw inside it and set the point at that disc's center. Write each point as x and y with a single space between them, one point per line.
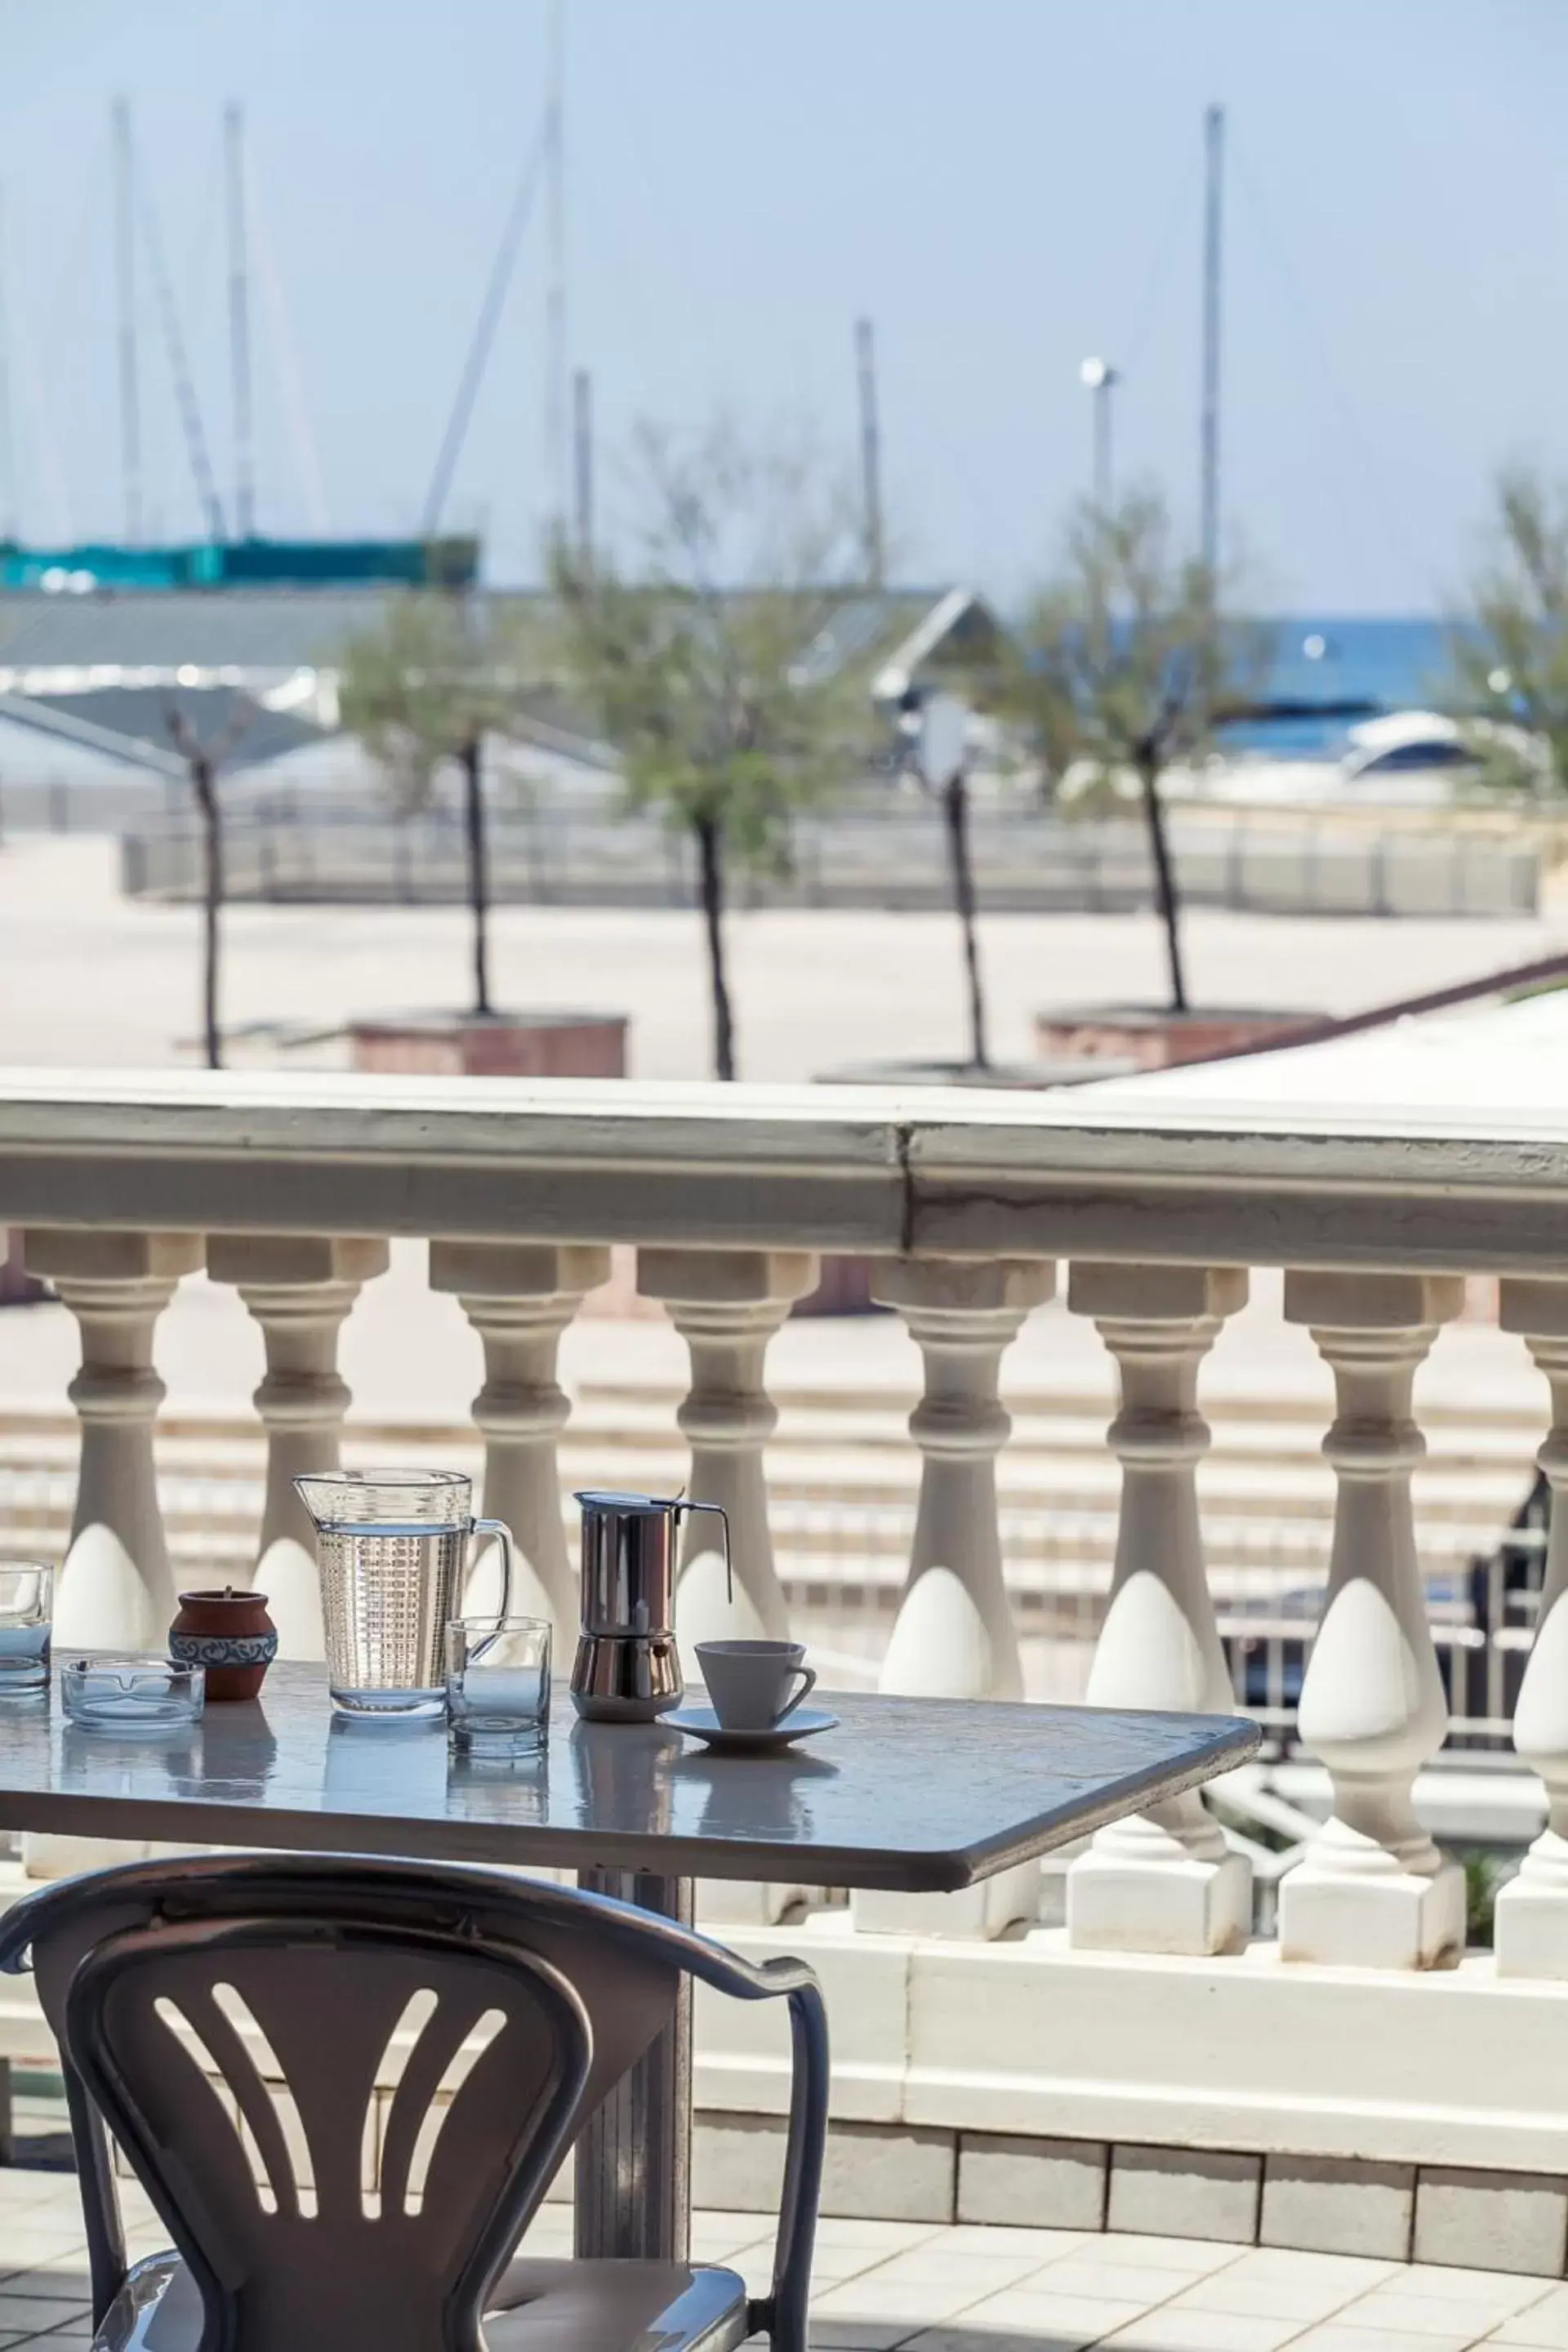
1241 2055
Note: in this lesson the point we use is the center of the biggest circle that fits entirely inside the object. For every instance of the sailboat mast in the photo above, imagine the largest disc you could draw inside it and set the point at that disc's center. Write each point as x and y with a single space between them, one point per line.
873 551
1213 195
239 326
555 442
125 275
9 525
583 465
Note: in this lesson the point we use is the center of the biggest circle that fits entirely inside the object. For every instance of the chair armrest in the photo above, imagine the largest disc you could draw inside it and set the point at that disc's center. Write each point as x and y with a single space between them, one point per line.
805 2146
783 2311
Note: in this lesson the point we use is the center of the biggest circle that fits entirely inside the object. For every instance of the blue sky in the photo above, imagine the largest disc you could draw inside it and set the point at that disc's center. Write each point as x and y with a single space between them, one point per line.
1004 185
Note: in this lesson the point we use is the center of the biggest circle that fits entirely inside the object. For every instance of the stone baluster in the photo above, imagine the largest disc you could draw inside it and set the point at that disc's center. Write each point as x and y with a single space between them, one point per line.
301 1288
1530 1932
1164 1881
726 1305
953 1637
116 1590
519 1296
1372 1889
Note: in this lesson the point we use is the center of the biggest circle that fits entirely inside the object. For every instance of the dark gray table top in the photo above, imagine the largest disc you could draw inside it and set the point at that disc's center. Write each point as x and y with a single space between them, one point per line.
919 1794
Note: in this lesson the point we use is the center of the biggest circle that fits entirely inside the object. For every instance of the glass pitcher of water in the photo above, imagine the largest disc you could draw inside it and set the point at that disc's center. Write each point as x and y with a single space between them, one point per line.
393 1546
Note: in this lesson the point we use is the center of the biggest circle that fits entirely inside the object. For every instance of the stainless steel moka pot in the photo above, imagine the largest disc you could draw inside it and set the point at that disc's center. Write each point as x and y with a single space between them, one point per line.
627 1669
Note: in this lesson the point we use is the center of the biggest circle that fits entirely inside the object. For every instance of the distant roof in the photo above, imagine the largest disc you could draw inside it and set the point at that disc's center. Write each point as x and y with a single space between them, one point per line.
1490 1056
131 723
81 735
52 645
242 629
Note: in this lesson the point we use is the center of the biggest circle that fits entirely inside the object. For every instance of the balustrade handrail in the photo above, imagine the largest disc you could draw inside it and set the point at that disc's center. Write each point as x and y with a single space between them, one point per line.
930 1172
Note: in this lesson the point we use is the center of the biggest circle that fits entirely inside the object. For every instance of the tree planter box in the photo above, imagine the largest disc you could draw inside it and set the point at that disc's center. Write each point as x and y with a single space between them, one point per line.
1057 1070
499 1045
1151 1037
18 1286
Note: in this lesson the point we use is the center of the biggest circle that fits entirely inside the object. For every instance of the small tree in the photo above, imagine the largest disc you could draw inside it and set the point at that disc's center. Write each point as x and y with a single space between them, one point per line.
204 758
1508 652
728 705
420 692
1122 667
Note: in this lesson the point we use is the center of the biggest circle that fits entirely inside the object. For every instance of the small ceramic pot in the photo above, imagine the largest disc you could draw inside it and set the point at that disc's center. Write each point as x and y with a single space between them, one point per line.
228 1633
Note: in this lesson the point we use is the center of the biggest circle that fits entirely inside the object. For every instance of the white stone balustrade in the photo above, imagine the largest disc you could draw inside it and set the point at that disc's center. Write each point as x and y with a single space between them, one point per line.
732 1197
1372 1888
520 1298
1164 1881
1531 1933
300 1289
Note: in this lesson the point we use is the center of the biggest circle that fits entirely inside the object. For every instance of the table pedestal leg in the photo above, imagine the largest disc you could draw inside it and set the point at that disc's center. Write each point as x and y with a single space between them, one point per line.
634 2159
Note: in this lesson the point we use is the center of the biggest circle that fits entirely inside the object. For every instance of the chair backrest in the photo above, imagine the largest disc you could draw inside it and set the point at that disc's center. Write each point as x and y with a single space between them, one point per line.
231 2019
236 2063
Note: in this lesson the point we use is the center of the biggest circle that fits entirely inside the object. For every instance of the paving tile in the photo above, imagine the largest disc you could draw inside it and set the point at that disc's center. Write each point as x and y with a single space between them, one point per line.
890 2237
920 2303
1070 2318
1435 2279
1312 2288
991 2237
1333 2208
1542 2324
988 2273
34 2250
1061 2182
21 2314
1494 2221
836 2265
1107 2281
1171 2329
68 2284
1190 2254
1335 2336
716 2237
963 2338
852 2335
1397 2305
1176 2190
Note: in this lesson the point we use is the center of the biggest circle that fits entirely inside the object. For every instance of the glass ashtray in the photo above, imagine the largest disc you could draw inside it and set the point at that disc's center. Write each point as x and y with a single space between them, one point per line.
132 1695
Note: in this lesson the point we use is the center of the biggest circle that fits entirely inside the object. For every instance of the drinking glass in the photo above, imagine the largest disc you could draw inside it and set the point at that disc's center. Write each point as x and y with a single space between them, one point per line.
26 1622
497 1685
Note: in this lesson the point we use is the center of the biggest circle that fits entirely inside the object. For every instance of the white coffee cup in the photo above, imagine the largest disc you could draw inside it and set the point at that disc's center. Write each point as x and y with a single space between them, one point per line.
749 1682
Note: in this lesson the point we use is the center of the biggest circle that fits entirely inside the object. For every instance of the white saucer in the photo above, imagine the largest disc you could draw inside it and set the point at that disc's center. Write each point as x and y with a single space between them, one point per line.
701 1723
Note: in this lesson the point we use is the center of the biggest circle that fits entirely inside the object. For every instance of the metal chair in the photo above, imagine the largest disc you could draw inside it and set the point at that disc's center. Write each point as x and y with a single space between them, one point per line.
228 2019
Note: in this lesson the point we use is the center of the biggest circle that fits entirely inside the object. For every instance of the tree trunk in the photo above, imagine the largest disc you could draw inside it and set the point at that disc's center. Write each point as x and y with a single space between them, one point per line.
711 865
1165 897
203 783
472 758
955 809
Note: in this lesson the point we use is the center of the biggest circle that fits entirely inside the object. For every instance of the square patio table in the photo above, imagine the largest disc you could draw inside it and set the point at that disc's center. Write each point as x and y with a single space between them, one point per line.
912 1794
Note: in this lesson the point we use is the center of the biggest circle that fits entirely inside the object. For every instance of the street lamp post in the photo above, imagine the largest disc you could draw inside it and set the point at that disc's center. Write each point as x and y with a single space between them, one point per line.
1100 378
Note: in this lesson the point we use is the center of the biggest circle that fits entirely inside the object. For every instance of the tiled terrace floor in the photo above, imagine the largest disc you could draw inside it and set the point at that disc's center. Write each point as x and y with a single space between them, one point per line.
882 2284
